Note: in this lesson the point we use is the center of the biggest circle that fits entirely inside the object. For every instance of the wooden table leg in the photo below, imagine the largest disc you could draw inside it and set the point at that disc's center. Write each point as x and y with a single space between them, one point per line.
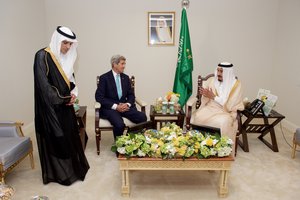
270 129
244 145
273 139
81 118
180 120
272 146
125 183
223 187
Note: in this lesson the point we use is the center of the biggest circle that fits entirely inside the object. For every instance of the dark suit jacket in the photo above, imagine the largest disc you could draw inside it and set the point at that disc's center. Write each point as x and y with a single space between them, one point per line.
106 92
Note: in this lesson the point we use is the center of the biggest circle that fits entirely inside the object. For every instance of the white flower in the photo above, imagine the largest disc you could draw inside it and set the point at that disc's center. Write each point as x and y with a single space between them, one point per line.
229 141
155 146
213 152
171 149
171 136
121 150
140 153
148 140
128 142
224 151
215 141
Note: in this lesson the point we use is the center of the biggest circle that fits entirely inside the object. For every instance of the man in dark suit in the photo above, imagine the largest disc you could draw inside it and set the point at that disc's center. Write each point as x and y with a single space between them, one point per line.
117 98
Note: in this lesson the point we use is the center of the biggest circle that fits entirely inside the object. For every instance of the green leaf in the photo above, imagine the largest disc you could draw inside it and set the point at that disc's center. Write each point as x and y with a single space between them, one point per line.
131 135
114 148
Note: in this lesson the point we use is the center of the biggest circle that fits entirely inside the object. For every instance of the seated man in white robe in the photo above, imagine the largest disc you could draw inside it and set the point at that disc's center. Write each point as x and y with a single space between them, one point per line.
221 98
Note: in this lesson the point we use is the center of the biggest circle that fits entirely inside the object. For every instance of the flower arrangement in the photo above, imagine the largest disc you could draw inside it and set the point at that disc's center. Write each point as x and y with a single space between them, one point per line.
169 142
170 97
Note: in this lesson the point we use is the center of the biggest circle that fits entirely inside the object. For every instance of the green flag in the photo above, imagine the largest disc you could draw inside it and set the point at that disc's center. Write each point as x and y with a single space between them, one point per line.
183 83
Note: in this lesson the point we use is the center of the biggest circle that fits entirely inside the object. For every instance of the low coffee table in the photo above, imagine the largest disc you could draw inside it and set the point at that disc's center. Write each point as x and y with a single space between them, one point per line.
160 119
221 164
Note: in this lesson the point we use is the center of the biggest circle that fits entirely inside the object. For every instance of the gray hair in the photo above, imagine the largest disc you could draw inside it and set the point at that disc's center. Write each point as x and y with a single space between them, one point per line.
116 59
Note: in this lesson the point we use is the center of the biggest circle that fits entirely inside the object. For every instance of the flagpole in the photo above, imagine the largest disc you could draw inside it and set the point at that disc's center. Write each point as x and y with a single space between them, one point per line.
185 4
183 83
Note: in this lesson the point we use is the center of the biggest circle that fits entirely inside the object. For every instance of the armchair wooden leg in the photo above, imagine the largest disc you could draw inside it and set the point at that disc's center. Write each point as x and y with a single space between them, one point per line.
98 139
31 157
294 147
31 160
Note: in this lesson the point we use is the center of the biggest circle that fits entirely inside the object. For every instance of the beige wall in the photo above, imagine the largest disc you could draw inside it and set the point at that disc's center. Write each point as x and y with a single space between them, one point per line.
286 68
247 33
237 31
22 33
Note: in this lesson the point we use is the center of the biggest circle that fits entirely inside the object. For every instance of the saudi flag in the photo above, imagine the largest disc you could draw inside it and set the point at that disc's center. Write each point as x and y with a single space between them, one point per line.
183 77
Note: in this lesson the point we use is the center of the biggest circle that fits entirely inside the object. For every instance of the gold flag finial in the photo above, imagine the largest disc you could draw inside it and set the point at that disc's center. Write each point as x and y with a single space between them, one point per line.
185 3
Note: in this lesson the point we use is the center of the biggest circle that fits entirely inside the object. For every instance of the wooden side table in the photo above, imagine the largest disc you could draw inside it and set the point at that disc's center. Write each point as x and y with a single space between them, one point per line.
262 128
159 119
81 118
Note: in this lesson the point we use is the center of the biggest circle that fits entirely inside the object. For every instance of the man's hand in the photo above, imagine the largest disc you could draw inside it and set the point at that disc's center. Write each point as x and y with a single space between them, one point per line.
122 107
72 100
207 93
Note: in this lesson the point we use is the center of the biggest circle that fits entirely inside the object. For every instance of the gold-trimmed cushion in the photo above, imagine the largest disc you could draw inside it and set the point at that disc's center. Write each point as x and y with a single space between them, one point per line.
13 149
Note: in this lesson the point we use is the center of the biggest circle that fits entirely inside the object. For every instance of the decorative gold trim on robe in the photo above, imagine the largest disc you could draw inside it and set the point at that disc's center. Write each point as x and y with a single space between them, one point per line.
231 91
58 66
47 72
59 95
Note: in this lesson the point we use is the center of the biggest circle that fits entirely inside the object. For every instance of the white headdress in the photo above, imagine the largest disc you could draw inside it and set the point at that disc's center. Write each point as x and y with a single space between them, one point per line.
65 60
223 88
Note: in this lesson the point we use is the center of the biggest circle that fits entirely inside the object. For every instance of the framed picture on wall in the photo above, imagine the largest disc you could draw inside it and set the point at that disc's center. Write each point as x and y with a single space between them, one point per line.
161 27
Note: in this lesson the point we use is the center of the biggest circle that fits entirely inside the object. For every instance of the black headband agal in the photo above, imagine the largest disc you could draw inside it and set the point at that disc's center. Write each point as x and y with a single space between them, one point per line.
65 34
225 65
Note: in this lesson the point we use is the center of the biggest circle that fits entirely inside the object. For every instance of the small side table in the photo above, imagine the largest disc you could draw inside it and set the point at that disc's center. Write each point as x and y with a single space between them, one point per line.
262 128
81 118
159 119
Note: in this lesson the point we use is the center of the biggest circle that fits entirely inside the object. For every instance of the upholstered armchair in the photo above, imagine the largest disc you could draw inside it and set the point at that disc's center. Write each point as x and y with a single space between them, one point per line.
194 103
14 147
105 125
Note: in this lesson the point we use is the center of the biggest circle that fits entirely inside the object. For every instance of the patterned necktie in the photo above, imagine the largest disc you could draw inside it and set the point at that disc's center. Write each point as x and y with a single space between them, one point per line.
119 89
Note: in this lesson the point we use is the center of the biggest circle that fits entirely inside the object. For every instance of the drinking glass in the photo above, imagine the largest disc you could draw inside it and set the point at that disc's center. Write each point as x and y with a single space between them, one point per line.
164 108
